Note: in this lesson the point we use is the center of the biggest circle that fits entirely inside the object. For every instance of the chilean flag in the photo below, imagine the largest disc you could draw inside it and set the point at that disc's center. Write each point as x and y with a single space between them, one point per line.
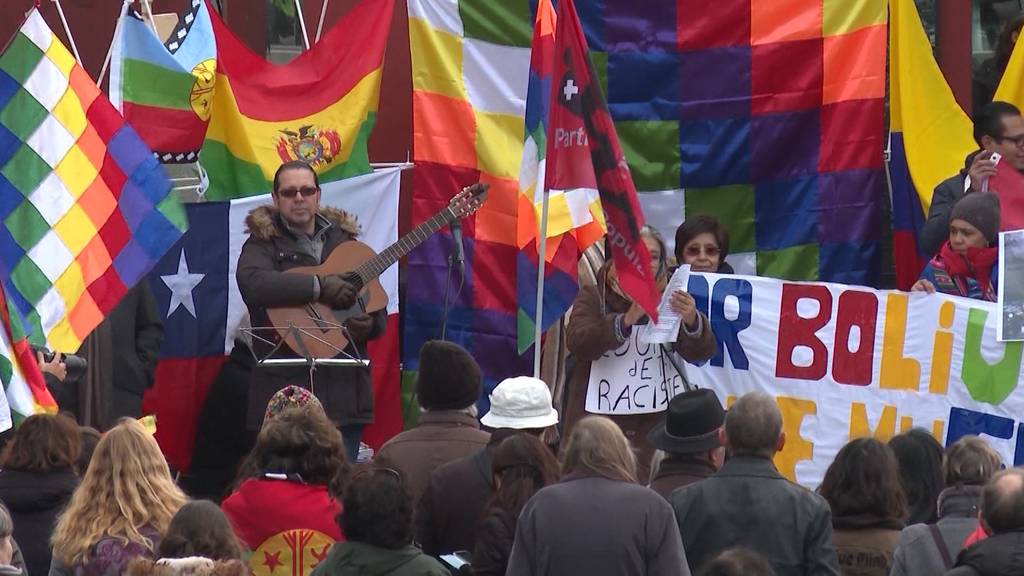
198 298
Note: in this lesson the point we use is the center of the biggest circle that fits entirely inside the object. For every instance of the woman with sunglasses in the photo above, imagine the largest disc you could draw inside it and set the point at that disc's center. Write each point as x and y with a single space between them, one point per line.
603 319
703 243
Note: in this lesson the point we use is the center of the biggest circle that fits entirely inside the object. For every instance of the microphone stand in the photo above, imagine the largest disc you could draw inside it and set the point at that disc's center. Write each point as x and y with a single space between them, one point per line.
448 280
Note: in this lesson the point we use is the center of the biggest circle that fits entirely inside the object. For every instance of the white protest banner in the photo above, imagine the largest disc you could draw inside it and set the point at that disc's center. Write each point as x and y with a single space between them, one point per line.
848 361
635 378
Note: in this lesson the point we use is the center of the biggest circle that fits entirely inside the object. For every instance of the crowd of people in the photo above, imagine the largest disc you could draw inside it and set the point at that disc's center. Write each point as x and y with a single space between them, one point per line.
506 502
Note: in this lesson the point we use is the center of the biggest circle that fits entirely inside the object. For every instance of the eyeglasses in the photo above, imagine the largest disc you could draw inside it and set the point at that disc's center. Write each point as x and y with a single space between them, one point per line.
695 250
1018 140
306 192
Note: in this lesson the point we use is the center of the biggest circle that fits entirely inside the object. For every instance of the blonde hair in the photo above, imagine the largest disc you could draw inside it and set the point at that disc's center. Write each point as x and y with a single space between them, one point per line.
597 446
970 461
127 486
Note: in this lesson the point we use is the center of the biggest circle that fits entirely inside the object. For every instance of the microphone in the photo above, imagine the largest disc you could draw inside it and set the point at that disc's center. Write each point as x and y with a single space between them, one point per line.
458 253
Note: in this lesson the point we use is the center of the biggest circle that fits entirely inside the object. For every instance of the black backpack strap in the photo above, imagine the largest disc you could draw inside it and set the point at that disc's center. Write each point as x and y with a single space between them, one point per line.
947 560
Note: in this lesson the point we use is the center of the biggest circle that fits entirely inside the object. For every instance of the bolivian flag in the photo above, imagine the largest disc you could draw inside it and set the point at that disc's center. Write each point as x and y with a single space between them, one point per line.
319 108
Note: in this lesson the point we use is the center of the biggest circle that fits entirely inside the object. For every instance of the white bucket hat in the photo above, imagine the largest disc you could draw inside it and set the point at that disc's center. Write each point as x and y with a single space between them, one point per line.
520 403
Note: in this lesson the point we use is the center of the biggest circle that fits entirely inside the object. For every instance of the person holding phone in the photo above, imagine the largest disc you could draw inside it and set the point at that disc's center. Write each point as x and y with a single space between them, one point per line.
998 129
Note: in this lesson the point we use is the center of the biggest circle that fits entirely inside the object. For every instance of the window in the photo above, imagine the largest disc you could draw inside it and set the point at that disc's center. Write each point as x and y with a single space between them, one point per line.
284 35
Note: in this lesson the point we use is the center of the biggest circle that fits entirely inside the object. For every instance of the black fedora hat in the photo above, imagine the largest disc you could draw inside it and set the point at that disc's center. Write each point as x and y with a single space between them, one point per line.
691 423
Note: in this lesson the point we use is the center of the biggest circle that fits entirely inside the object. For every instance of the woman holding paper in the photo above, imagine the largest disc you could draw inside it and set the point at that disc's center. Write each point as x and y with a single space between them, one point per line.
968 263
603 320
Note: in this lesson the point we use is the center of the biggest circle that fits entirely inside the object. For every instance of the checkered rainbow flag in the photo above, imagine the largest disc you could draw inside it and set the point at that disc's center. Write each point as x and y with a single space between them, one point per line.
85 208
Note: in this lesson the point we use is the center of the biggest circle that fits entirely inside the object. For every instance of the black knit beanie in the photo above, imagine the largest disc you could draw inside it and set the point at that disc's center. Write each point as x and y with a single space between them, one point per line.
981 210
449 378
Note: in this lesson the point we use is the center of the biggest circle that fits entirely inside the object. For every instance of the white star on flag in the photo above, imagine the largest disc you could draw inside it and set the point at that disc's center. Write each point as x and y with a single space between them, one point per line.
181 285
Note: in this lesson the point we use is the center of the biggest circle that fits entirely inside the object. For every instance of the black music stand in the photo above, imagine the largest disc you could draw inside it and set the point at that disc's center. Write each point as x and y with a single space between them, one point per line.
306 358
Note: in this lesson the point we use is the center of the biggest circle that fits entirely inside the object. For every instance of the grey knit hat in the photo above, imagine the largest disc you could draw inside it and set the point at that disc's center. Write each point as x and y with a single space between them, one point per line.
981 210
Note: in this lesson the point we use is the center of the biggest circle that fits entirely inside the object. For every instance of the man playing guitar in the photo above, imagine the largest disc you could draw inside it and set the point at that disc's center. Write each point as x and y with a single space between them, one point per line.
297 232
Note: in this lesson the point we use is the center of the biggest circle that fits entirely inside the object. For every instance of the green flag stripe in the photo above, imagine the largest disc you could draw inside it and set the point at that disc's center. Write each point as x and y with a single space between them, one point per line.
149 85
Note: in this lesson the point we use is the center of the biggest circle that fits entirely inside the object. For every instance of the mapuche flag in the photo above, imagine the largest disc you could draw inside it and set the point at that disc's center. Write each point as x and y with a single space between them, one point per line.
583 152
319 108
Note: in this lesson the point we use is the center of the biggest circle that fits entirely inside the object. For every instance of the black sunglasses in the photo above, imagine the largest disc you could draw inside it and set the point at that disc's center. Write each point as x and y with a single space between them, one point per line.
306 192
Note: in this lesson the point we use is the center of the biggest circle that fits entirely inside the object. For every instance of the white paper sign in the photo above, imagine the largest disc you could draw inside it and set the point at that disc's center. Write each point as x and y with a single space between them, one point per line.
635 378
667 328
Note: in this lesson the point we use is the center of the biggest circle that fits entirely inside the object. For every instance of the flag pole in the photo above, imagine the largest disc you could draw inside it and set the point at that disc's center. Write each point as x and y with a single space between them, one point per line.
110 50
148 7
541 257
320 25
302 23
67 30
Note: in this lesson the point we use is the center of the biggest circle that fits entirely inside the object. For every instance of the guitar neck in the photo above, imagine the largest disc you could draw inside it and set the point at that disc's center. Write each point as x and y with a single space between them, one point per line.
375 266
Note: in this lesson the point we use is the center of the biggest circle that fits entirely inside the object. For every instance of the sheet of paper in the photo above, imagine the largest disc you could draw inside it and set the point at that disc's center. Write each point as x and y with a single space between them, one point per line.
667 328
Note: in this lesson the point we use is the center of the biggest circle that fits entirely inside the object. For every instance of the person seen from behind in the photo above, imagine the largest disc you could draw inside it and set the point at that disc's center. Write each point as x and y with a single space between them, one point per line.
37 479
927 549
122 508
199 542
522 465
283 484
862 487
1002 516
376 518
597 520
919 456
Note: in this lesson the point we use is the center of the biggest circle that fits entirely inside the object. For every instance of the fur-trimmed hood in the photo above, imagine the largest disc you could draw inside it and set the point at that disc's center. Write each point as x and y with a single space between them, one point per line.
264 222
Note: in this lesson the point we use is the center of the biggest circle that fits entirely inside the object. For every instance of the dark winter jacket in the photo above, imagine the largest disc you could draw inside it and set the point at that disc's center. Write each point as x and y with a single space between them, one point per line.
935 231
452 506
596 526
998 555
494 542
590 334
35 500
678 471
272 248
441 437
358 559
749 504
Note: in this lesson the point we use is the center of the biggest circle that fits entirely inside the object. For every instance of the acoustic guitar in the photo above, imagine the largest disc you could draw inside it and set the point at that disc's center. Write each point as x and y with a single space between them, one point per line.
318 324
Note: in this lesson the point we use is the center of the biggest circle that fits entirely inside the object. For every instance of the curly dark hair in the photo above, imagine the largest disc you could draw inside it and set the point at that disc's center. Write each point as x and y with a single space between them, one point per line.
701 224
864 479
524 465
377 509
200 529
43 442
299 441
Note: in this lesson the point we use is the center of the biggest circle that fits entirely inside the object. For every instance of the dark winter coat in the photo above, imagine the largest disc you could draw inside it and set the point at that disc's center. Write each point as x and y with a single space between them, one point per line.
441 437
452 505
222 440
35 500
493 547
918 553
998 555
272 248
597 526
935 231
749 504
358 559
590 335
678 471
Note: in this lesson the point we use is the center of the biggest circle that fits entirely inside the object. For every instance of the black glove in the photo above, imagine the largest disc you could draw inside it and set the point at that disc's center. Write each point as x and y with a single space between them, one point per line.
337 292
359 327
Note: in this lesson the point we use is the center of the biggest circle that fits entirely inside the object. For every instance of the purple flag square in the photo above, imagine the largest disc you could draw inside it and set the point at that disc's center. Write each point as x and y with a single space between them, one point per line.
715 83
639 26
784 145
134 205
132 263
848 206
